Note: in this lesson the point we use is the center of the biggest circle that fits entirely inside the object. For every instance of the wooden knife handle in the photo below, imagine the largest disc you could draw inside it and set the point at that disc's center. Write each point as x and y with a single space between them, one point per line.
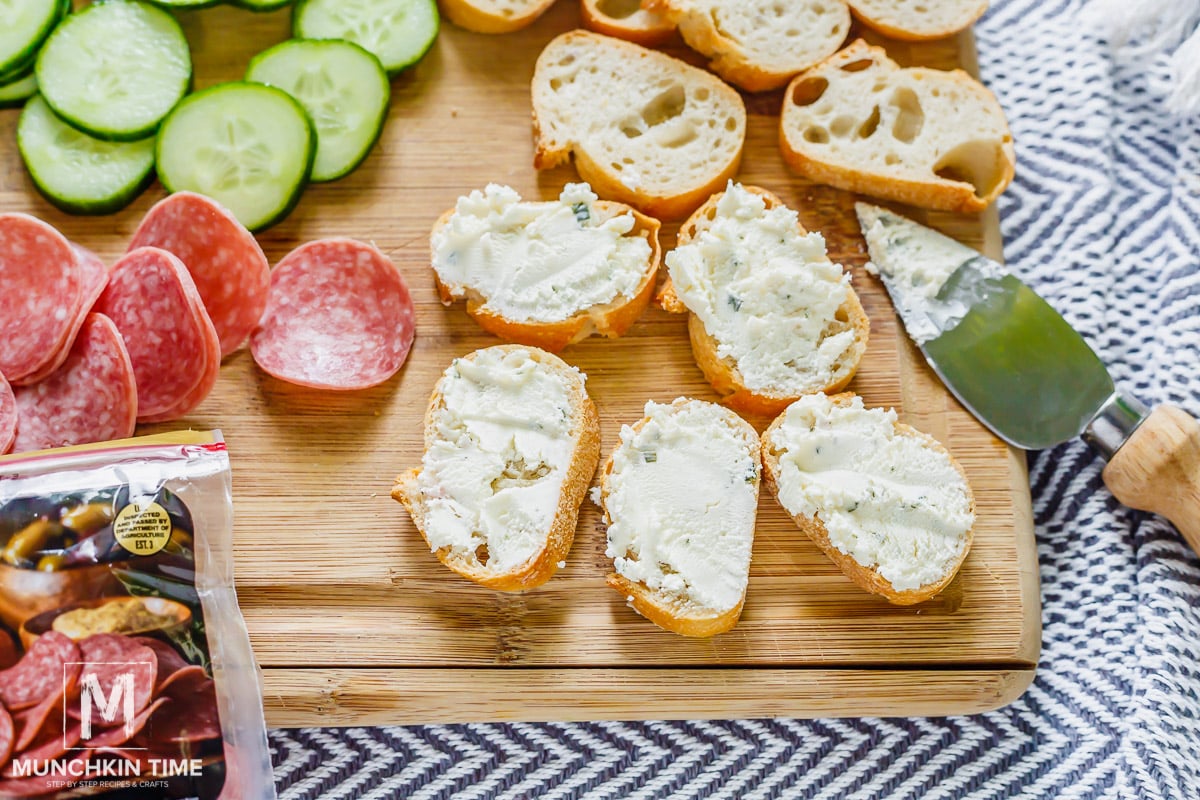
1158 470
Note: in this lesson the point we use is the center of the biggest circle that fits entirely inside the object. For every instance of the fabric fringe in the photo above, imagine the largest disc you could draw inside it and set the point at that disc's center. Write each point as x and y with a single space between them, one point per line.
1147 28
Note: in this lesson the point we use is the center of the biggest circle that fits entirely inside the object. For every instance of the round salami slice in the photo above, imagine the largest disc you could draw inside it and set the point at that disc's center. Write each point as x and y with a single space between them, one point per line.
93 277
229 268
43 672
154 304
339 317
169 659
208 376
8 435
40 284
33 720
192 715
187 676
107 657
91 398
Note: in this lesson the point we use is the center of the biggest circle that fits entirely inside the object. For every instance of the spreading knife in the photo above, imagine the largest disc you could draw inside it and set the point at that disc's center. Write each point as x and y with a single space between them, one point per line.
1025 373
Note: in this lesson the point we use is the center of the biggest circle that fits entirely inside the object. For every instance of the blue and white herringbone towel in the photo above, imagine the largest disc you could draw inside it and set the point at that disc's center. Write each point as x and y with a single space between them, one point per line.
1104 219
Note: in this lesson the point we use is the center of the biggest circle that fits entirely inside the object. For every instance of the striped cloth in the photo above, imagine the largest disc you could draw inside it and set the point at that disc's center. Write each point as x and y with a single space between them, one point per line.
1104 220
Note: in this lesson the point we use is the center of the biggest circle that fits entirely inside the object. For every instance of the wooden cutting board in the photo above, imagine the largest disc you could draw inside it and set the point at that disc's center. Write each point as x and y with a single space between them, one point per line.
353 620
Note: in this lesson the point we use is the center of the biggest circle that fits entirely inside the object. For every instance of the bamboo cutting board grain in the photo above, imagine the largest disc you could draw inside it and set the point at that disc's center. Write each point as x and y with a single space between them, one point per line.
354 621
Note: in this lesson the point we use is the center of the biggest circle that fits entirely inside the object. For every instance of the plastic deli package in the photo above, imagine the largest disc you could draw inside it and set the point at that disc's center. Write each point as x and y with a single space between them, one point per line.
125 668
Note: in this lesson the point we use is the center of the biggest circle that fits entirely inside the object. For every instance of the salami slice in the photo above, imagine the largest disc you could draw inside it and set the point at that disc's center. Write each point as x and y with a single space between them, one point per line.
33 720
187 676
41 673
154 304
8 735
169 660
93 277
208 376
40 284
8 435
193 716
339 317
115 737
53 743
42 785
108 656
91 398
228 267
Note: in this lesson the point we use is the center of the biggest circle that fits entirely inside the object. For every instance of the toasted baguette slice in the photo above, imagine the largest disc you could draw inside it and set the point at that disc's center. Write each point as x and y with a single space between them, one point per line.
626 19
493 16
646 129
546 274
919 136
759 44
771 317
511 443
680 495
918 20
887 503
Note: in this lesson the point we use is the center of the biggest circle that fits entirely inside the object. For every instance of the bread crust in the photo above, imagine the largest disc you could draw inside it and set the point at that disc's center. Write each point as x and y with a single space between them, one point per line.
647 28
867 578
554 143
935 193
702 34
467 14
722 373
610 320
909 35
541 566
663 610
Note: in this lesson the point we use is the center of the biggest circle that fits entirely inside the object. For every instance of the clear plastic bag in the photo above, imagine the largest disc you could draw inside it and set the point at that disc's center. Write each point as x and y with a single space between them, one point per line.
125 665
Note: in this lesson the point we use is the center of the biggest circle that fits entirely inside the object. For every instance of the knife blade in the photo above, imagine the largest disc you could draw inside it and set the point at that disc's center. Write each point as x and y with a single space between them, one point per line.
1025 373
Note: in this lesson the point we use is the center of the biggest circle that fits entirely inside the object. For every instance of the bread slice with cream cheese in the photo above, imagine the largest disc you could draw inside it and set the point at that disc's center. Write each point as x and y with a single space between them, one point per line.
918 20
546 274
771 317
759 44
628 20
680 496
926 137
645 128
511 443
886 502
493 16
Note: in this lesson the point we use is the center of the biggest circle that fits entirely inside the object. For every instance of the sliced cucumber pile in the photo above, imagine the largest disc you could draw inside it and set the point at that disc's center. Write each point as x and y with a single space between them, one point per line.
16 93
249 147
77 173
27 23
115 69
343 88
398 32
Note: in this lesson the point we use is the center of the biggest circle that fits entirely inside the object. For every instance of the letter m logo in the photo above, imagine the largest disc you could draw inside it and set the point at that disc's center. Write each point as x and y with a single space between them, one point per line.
92 700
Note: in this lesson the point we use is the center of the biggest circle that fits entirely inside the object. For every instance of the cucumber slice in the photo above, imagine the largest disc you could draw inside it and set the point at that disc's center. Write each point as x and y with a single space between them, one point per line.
249 147
27 23
398 32
342 87
77 173
262 5
115 69
16 93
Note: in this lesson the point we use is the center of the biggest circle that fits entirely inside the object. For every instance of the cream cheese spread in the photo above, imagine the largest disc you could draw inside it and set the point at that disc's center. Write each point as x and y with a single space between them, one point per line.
888 500
539 261
683 493
502 443
767 294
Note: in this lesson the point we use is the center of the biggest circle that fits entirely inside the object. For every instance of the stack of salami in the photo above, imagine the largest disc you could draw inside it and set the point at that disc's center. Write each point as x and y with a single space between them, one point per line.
175 705
87 352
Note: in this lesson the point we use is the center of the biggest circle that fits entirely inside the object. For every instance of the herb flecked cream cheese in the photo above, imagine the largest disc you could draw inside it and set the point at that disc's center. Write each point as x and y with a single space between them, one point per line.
888 500
501 449
767 294
539 261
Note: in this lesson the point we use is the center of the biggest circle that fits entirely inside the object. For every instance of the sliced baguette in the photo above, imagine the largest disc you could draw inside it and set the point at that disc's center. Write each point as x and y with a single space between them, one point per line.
680 495
920 136
493 16
487 304
626 19
723 371
879 466
645 129
531 409
918 20
759 44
